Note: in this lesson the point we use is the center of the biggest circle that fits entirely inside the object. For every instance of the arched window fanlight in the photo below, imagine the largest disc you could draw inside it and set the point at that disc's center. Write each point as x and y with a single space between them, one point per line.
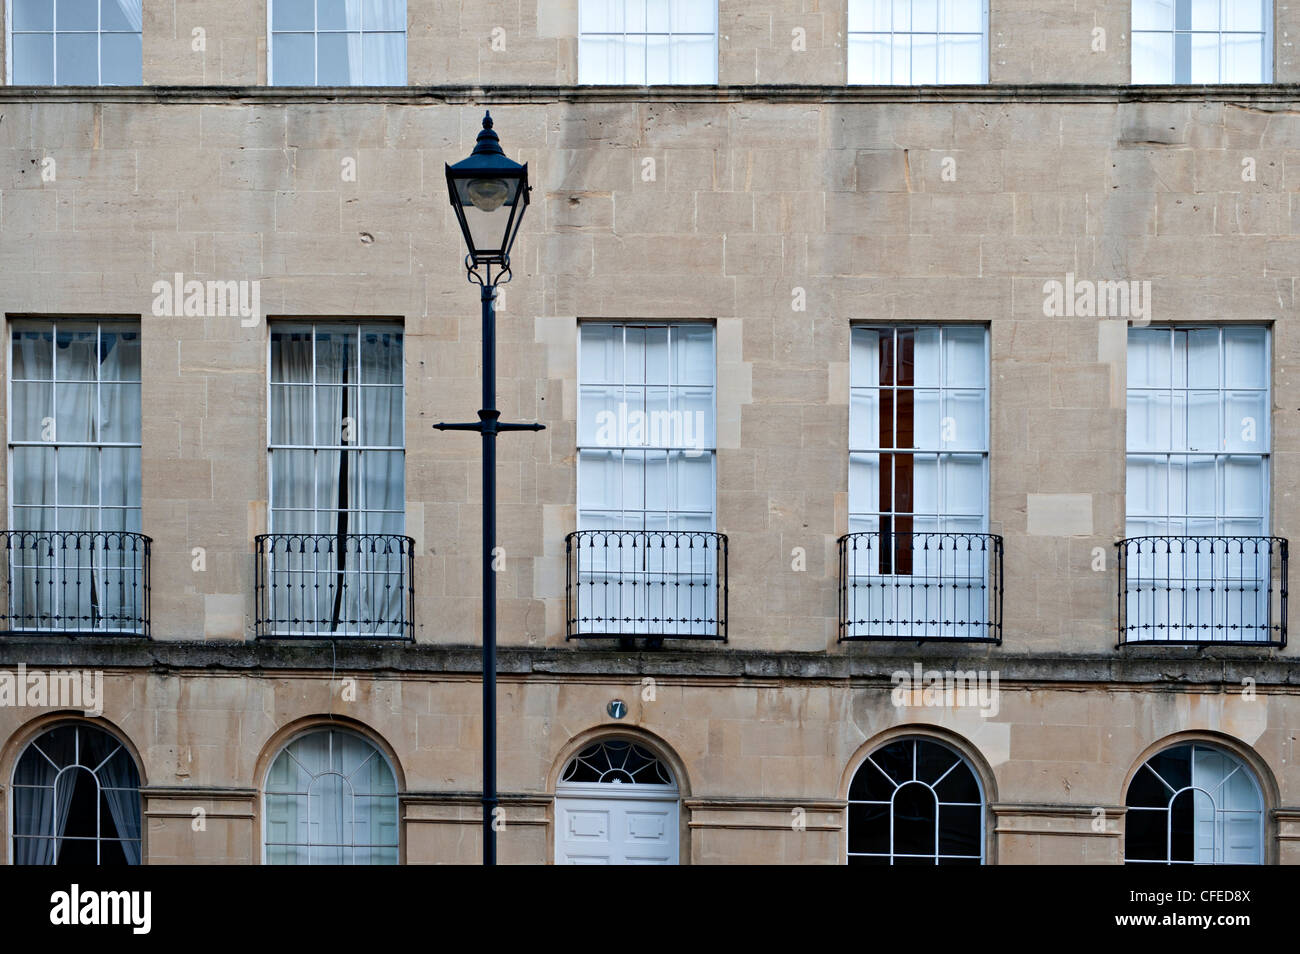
76 797
617 762
915 801
331 799
1194 804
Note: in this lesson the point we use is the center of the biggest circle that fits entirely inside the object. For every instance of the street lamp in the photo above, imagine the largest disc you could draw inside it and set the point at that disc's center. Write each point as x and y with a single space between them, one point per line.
490 195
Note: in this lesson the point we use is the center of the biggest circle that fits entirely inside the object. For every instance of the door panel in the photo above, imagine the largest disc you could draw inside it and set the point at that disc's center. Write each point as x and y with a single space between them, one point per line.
615 831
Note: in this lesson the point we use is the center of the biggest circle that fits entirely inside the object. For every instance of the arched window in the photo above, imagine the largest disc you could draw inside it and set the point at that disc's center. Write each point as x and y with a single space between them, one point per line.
331 799
1194 804
915 801
76 800
615 761
616 803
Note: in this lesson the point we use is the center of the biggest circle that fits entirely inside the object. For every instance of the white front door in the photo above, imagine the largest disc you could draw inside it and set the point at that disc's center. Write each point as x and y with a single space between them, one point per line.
615 829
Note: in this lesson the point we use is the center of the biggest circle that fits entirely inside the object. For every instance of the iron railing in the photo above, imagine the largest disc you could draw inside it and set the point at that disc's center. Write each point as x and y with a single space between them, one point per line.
1202 590
75 582
322 585
921 586
659 584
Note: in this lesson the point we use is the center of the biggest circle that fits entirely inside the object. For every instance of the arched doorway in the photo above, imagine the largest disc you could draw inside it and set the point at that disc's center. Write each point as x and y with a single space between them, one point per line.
616 803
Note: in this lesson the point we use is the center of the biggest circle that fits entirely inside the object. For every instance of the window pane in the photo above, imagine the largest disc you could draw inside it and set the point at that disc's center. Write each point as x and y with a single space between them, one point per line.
76 15
1153 58
381 357
292 15
294 58
120 413
963 357
338 15
78 476
1147 487
123 15
869 59
600 16
33 475
78 55
32 415
33 60
1204 58
1246 422
1245 357
1204 14
1243 15
338 59
925 59
32 14
961 16
656 16
963 486
384 56
961 59
1243 59
600 60
76 412
694 16
1153 14
901 59
694 59
1243 487
694 480
120 467
380 421
122 59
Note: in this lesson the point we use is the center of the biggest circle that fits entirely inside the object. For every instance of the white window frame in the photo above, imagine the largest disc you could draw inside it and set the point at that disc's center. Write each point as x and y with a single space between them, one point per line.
54 33
1266 35
937 34
359 328
99 444
316 31
711 450
671 34
1265 428
939 452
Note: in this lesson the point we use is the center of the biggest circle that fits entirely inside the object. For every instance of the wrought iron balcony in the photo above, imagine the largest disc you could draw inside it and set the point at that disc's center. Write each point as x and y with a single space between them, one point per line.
75 582
335 586
659 584
911 586
1202 590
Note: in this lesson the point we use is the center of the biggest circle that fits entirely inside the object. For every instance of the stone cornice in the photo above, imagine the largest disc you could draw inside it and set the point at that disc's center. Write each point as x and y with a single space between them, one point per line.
1285 95
867 663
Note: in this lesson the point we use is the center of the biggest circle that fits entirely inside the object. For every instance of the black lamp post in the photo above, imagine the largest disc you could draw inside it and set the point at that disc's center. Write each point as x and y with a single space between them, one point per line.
490 194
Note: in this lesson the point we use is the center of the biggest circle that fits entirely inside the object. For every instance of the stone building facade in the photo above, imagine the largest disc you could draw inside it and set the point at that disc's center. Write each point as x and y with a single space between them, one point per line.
781 208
